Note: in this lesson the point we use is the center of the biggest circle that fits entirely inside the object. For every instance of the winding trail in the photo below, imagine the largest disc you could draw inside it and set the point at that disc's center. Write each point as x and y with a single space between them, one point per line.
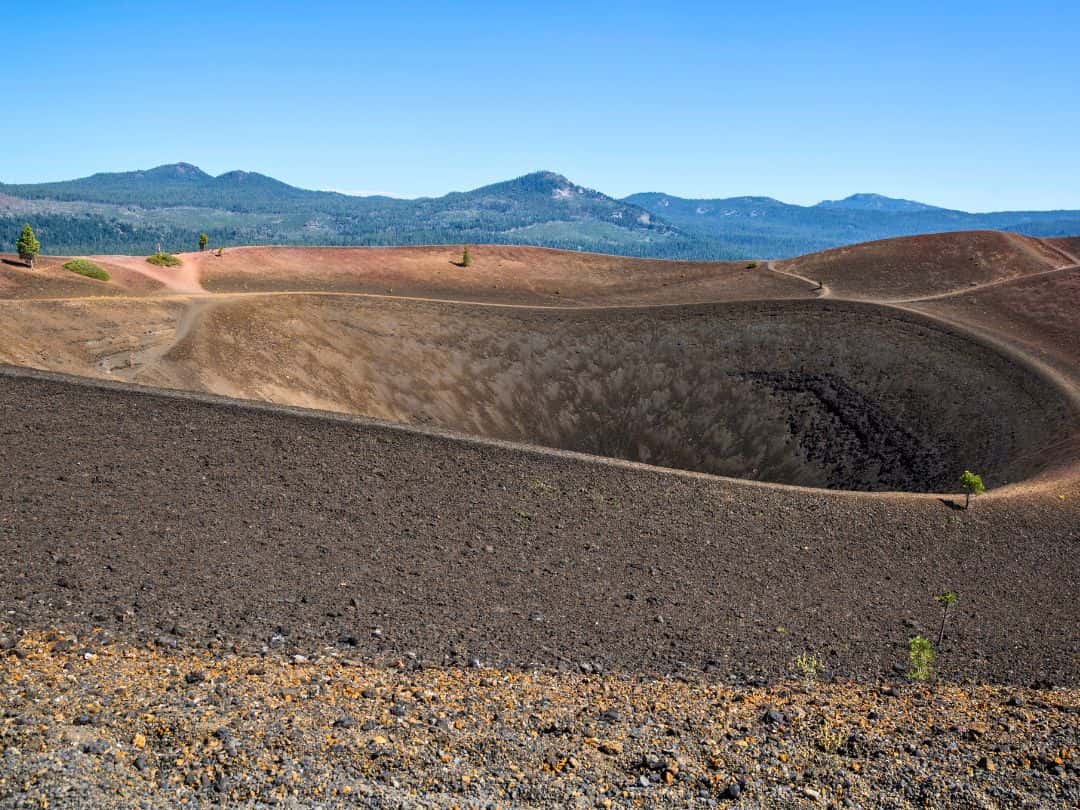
821 287
974 288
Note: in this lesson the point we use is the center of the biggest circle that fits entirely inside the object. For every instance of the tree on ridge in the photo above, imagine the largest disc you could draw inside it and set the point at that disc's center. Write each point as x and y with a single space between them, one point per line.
28 245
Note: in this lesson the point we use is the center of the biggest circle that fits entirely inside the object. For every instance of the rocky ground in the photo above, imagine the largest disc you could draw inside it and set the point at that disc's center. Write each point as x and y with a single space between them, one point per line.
164 516
94 722
205 603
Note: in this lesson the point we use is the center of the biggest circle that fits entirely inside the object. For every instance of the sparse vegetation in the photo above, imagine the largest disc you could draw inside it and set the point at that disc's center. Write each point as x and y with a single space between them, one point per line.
204 240
921 659
220 252
972 484
466 259
946 600
809 667
28 246
831 737
164 259
751 265
85 267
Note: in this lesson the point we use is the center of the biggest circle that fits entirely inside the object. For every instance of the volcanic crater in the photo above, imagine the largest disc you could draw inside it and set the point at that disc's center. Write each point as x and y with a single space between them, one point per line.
726 369
824 394
218 518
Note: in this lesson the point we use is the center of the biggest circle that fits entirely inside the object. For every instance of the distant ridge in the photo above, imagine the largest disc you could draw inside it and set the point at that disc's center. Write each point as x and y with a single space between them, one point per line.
768 228
877 202
130 212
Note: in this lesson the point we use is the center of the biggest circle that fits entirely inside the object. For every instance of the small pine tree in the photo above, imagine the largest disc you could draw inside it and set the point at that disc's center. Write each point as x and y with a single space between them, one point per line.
204 240
466 259
921 659
972 484
28 245
946 600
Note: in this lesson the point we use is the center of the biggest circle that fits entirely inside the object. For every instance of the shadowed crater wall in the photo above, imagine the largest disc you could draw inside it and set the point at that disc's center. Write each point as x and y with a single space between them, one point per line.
826 394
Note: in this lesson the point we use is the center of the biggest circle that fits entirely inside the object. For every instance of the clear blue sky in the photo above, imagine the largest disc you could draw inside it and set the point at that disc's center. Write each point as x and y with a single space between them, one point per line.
966 104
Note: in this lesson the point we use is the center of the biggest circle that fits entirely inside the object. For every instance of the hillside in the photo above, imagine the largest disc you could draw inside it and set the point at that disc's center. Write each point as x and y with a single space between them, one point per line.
764 227
919 266
133 212
532 344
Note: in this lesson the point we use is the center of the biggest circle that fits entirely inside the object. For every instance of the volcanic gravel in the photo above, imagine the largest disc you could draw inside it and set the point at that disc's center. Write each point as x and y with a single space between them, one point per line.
126 727
179 521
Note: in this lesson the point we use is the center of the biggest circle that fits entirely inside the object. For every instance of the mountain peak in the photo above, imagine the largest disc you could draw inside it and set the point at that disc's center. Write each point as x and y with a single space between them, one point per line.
547 183
549 177
240 176
876 202
177 170
543 180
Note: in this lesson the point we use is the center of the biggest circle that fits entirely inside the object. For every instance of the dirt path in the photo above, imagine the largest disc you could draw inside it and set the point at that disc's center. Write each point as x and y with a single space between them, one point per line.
900 302
817 284
1065 253
185 326
182 279
383 296
1025 244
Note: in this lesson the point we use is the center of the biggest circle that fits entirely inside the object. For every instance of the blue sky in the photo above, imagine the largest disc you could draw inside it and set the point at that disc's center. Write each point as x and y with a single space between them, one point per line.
963 104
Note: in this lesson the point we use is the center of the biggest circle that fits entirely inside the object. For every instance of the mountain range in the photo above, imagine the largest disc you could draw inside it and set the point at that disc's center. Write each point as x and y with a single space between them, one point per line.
131 212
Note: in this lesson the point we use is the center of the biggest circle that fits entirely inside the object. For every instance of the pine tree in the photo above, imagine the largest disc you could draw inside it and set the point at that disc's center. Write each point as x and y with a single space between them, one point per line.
28 245
972 484
203 241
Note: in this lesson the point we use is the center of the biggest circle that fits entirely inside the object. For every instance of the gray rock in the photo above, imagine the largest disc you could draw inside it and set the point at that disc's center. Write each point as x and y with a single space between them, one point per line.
773 717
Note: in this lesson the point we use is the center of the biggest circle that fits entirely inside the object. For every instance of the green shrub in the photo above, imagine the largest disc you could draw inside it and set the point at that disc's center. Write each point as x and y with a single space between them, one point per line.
751 265
972 484
164 260
809 666
920 659
85 267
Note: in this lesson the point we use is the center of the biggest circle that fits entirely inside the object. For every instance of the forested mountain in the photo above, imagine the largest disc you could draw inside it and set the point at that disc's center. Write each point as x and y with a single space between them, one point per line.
134 212
767 228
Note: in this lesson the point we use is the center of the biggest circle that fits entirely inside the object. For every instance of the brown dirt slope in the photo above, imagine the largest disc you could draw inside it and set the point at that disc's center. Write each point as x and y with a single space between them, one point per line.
498 273
779 391
1069 245
50 280
800 392
816 394
166 517
919 266
1040 313
114 340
